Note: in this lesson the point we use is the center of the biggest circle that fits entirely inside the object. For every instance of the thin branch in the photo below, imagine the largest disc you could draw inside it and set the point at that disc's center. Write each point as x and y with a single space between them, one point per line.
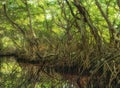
11 21
111 28
86 17
107 8
103 14
118 3
71 10
30 18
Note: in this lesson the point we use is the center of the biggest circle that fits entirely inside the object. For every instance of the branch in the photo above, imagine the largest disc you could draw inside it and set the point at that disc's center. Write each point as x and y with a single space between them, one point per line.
118 3
94 31
11 21
111 28
20 59
30 18
71 10
82 10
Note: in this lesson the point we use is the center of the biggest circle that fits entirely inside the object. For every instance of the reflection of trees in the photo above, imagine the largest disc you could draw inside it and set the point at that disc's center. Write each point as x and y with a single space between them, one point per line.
79 53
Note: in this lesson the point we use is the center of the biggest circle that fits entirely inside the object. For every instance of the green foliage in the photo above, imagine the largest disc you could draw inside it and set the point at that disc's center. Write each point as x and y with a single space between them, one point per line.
80 32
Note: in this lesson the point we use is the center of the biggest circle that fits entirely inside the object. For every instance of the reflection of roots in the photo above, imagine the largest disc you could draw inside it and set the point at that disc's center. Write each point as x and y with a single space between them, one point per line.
83 81
98 82
31 74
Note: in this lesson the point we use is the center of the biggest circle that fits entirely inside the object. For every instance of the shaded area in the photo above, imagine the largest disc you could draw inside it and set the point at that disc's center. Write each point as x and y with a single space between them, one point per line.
71 43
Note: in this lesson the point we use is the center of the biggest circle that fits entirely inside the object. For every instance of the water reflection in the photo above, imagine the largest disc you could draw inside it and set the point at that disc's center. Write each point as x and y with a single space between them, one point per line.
69 85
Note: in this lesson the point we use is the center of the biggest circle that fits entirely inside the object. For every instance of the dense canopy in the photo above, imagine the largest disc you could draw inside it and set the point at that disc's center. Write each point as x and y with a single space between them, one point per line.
59 43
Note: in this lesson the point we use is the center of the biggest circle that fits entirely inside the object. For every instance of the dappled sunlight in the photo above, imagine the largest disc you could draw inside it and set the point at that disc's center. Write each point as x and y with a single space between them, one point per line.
59 44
